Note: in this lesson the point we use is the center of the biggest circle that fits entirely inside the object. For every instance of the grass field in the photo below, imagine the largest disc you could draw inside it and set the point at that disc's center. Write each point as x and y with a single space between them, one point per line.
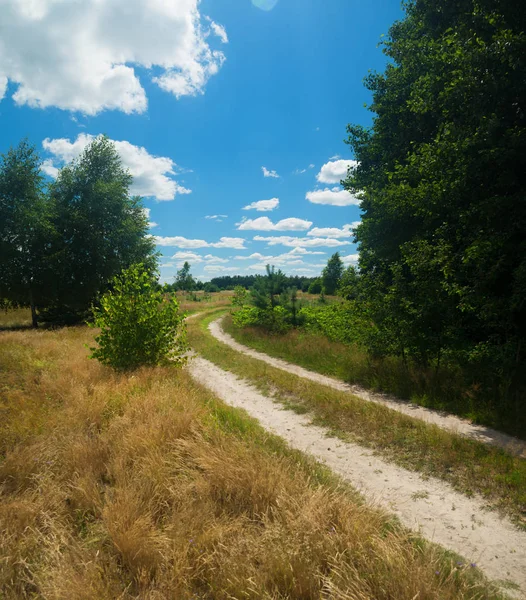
470 466
444 390
144 486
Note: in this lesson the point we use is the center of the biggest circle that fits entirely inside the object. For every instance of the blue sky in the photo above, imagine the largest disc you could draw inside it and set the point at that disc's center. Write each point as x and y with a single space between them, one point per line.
215 106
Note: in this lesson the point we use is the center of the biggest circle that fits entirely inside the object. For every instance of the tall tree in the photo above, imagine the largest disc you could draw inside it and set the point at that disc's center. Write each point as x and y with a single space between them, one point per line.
102 228
267 288
332 274
25 229
184 280
442 173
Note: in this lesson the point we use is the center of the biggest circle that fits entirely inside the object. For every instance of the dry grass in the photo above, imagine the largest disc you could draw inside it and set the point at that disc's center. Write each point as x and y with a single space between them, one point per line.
15 318
470 466
201 301
146 487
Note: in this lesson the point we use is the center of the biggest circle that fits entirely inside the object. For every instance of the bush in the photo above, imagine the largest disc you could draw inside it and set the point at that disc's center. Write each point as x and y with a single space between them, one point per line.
274 320
240 297
315 287
139 324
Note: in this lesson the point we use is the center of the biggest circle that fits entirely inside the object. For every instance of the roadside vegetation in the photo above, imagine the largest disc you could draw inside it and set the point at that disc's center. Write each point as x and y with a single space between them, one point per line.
470 466
119 486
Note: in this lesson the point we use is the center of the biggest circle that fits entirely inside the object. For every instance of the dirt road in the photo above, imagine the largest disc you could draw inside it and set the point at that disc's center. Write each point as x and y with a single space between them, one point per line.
431 506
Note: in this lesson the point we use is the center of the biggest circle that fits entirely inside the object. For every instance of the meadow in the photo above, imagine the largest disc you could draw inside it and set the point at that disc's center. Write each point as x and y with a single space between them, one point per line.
144 485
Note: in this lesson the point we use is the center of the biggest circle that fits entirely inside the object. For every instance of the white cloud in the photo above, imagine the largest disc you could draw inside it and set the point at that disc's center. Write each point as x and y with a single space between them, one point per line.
267 173
82 55
194 258
219 269
188 256
209 258
295 242
301 171
218 218
350 259
3 86
219 30
254 256
151 224
49 169
334 232
152 175
334 197
182 242
334 171
263 205
265 224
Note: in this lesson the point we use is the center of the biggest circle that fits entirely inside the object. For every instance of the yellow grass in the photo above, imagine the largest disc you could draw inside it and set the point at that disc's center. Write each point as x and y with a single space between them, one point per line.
144 486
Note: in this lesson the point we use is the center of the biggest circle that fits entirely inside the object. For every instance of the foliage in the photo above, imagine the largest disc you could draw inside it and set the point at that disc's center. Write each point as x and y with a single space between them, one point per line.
101 228
240 297
184 280
25 230
229 282
316 287
332 274
442 176
139 324
273 306
267 288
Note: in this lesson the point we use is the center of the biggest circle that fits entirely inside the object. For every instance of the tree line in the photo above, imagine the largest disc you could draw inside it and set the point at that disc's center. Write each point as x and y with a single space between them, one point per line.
62 242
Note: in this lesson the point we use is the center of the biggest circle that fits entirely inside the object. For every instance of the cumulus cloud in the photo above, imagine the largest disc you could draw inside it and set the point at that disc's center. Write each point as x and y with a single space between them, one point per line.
263 205
82 55
334 197
265 224
334 232
153 176
194 258
182 242
336 170
295 242
267 173
295 254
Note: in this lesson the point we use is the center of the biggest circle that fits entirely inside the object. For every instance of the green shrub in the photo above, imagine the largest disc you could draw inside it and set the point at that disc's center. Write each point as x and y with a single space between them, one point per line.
139 324
240 297
274 320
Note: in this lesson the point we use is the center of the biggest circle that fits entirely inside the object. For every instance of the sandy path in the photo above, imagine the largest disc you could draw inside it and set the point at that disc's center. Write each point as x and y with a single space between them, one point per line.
443 420
430 507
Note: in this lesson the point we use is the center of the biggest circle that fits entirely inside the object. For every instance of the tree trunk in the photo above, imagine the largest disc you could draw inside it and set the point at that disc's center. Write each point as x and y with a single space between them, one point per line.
34 318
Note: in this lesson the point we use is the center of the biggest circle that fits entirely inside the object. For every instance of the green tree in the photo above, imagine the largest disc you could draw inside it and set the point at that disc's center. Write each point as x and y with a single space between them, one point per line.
267 288
26 232
184 280
240 296
101 229
332 274
315 287
442 177
139 325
